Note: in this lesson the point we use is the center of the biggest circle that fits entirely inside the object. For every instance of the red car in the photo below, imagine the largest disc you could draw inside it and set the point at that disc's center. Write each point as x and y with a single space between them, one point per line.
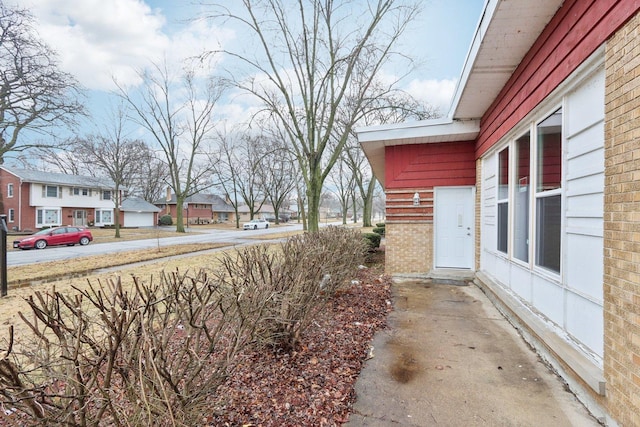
55 236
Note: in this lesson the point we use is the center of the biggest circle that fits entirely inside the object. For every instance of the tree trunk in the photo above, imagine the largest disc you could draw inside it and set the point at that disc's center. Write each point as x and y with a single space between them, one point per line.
313 217
355 209
314 193
367 209
179 215
302 214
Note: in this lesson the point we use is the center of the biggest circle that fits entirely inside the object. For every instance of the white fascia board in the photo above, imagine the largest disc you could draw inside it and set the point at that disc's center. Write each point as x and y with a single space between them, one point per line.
424 131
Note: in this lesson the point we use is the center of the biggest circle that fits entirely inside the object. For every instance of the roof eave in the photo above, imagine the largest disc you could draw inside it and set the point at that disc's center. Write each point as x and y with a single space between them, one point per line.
374 139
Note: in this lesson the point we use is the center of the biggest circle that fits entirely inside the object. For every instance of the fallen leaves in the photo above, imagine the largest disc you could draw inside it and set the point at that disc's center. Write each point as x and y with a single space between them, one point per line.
315 384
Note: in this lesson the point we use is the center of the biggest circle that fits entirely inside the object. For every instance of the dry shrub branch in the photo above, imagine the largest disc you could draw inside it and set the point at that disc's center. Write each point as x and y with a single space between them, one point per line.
154 352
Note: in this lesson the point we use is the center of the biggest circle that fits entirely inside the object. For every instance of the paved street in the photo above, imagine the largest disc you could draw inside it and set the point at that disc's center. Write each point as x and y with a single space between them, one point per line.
202 236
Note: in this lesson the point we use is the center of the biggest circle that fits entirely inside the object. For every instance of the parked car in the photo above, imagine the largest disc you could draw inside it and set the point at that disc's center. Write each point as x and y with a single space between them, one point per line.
254 224
284 217
55 236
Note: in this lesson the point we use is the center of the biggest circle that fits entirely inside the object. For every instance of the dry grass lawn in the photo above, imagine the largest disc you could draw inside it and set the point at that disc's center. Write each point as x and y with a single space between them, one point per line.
53 270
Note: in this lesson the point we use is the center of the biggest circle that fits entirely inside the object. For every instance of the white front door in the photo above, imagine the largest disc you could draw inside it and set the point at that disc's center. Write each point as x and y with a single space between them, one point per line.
454 227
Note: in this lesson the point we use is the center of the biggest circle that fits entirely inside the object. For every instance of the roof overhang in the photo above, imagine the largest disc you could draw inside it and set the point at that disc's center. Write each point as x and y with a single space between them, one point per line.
505 33
374 139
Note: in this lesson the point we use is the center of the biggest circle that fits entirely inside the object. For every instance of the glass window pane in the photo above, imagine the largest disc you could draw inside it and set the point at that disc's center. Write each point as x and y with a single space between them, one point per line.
549 170
521 199
51 216
503 226
548 220
503 174
52 191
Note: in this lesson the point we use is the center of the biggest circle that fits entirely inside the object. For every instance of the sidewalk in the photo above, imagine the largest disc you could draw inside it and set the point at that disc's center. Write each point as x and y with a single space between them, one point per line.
449 358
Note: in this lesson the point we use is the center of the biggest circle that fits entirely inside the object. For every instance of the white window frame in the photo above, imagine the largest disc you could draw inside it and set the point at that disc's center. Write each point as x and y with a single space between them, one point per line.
543 194
41 217
502 201
45 191
11 215
81 191
530 127
10 190
99 216
516 189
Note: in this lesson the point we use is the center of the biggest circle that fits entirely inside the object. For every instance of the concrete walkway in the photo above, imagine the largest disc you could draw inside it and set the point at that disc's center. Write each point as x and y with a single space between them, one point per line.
450 358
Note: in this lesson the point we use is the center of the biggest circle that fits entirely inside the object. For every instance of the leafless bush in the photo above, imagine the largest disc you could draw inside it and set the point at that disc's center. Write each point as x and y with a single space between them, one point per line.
152 353
285 286
109 356
341 250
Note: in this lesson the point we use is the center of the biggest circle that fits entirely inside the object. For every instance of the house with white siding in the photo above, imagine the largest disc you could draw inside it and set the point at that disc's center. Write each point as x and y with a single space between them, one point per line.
34 199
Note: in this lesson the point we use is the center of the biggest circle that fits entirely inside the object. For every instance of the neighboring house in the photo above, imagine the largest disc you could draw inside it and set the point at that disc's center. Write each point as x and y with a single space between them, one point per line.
34 199
137 212
199 208
266 211
531 185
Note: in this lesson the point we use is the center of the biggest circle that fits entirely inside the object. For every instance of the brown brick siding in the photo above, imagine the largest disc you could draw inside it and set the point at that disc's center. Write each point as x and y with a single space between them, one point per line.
408 248
622 225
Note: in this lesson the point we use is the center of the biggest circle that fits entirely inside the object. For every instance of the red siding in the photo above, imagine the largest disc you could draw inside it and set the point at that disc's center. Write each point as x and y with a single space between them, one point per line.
400 207
430 165
575 32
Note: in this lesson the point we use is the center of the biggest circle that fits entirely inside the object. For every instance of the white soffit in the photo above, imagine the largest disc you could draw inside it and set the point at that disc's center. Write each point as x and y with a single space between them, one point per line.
506 32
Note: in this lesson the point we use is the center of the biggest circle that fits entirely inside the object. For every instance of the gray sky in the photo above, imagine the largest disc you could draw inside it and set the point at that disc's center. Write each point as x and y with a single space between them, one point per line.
101 39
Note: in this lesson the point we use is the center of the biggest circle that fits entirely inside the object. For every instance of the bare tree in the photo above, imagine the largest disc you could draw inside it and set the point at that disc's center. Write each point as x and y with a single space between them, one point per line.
314 57
278 173
237 165
114 155
151 180
251 161
226 170
180 120
342 183
60 159
35 95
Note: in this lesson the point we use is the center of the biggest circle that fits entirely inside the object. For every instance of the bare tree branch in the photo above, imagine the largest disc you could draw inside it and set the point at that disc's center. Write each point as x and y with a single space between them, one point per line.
35 95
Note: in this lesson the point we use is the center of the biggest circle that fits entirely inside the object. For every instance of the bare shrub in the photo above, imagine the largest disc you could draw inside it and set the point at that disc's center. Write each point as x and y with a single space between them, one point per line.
150 355
342 250
283 287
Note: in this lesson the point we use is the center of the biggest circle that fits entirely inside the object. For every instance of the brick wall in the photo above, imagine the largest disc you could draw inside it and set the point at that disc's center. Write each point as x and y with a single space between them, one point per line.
478 201
409 231
408 247
622 225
